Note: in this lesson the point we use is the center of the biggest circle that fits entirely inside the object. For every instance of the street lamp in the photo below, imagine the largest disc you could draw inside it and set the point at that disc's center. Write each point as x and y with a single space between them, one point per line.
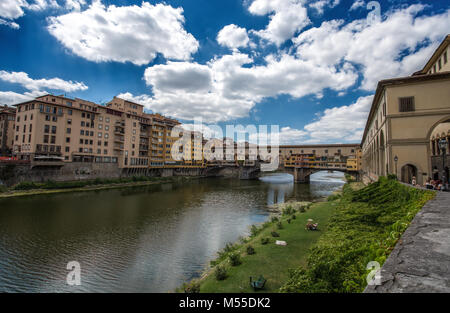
396 160
443 147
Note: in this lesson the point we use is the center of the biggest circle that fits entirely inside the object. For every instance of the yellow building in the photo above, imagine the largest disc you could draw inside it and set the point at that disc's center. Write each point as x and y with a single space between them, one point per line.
398 138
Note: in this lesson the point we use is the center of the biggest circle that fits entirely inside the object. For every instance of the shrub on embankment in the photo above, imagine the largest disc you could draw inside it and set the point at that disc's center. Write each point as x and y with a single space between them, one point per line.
51 185
365 227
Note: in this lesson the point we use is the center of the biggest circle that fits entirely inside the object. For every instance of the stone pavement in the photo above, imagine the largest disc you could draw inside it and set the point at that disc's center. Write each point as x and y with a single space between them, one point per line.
420 262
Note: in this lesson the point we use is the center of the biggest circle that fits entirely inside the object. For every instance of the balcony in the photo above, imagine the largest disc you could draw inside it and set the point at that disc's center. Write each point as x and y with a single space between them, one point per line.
118 147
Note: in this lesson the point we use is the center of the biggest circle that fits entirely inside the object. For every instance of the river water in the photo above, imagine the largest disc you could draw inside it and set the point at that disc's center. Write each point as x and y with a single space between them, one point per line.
144 239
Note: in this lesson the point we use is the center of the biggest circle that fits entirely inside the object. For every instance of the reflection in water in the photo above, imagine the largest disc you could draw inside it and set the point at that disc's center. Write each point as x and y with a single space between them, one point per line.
280 187
143 239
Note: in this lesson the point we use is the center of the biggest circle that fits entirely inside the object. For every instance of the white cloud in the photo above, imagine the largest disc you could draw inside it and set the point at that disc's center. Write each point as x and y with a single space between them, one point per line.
287 17
12 9
344 123
75 4
9 24
320 5
357 4
379 48
41 5
228 88
10 97
24 80
129 33
291 136
35 87
233 37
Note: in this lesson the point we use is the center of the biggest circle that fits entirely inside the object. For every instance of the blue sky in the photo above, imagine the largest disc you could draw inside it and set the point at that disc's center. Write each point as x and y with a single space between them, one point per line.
310 67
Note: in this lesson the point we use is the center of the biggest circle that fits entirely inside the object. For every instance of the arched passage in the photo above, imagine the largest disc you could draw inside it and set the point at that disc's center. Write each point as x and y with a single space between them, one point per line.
408 172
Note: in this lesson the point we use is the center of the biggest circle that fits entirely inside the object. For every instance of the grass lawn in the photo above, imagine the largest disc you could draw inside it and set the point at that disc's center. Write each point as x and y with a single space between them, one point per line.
272 261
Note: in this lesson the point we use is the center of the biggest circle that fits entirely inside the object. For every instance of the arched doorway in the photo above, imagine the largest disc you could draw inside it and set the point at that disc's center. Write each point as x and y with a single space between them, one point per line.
408 172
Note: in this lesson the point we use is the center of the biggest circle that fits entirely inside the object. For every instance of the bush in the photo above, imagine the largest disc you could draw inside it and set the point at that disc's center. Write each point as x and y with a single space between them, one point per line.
26 186
365 227
279 225
274 219
192 287
294 217
265 241
288 210
334 197
289 220
243 240
349 178
392 177
235 259
254 230
302 209
3 188
250 250
229 247
220 272
275 234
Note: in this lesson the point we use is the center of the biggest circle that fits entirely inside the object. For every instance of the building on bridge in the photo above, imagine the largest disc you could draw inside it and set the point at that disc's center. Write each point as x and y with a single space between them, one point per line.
408 117
302 161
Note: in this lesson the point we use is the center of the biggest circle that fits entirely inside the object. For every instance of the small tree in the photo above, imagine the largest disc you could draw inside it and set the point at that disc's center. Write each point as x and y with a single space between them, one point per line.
235 259
220 272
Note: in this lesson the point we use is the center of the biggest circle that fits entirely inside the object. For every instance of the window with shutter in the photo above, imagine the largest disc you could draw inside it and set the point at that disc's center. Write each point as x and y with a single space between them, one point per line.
406 104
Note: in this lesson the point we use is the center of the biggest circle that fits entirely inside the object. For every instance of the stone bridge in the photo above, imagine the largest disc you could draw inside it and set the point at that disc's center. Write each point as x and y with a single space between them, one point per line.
302 175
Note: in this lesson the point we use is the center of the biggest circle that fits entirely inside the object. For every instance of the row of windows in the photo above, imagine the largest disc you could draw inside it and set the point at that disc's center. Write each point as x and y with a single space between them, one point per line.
438 66
24 117
26 107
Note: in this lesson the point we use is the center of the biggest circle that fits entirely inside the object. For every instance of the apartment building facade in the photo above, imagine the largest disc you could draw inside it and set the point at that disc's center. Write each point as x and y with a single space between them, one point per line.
7 120
52 130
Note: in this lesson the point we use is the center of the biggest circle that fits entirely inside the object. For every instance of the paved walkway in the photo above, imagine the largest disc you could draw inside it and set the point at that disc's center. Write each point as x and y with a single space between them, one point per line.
420 262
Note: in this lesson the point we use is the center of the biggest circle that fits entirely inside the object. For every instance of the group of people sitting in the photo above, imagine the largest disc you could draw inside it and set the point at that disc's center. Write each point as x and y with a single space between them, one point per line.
436 185
311 225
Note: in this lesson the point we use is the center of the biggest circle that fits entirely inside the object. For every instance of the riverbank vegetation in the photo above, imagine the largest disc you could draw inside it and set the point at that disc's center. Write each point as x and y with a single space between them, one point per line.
259 255
365 227
32 188
357 226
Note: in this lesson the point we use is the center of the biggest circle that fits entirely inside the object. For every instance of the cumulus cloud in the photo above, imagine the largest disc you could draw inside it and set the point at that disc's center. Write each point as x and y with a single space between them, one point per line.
233 37
13 25
320 5
344 123
379 48
357 4
75 4
24 80
125 34
12 9
287 17
229 87
35 87
10 97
